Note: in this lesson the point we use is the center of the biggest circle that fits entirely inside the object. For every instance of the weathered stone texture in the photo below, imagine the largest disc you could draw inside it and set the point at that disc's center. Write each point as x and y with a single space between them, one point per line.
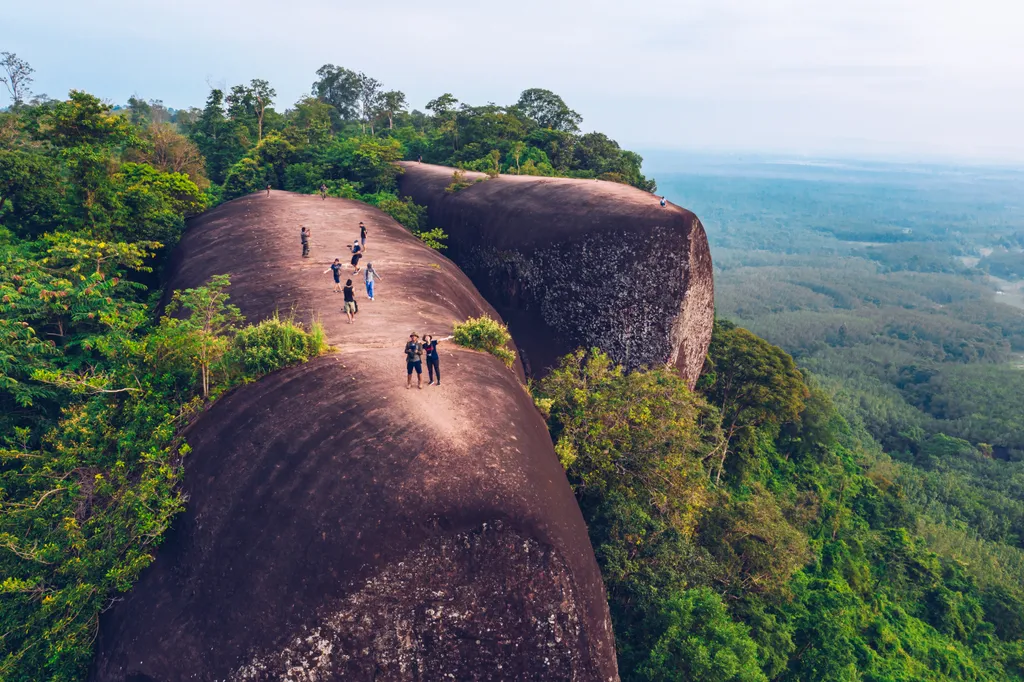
341 527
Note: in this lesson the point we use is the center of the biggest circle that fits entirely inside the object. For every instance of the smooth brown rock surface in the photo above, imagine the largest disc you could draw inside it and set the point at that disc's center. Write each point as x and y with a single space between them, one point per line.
579 263
340 526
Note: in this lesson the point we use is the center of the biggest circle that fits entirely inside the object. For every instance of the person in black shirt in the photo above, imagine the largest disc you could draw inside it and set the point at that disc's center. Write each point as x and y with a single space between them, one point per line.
305 241
433 361
413 360
350 301
357 253
362 234
336 266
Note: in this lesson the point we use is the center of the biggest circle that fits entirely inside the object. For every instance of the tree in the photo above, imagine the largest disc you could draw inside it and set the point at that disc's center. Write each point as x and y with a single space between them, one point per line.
340 88
392 102
29 191
264 96
369 100
16 76
548 110
517 151
197 326
216 137
444 110
752 382
695 640
641 434
168 150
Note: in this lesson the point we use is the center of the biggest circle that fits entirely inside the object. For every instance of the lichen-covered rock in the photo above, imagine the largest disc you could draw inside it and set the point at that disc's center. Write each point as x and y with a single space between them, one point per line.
343 527
579 263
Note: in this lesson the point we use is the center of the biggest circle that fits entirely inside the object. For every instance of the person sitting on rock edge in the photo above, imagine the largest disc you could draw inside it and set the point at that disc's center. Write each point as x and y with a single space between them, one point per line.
413 360
663 202
336 266
350 301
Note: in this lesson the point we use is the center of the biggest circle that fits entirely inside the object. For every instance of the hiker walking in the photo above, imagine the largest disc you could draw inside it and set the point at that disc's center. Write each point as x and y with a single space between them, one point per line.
336 267
362 234
370 276
433 360
268 189
413 360
357 253
305 241
350 301
323 191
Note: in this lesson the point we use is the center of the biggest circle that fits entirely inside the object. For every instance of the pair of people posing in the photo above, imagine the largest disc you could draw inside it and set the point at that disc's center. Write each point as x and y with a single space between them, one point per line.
414 352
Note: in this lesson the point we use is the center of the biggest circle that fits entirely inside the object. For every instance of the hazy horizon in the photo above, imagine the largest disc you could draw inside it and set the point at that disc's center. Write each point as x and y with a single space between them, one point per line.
897 80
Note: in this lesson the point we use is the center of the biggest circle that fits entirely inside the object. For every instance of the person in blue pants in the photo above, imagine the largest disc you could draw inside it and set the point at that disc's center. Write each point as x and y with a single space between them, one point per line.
370 276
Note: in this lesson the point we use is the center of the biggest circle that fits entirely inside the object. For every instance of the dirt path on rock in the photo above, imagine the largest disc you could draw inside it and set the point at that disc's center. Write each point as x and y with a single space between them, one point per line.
419 291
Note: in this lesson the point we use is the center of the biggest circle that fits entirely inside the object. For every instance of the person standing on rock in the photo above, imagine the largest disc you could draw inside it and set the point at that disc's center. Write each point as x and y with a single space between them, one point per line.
433 360
336 266
362 234
305 241
268 189
414 361
350 301
323 191
357 253
370 276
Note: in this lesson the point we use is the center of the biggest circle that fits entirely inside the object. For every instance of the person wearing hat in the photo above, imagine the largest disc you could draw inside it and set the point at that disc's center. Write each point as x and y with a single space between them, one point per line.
414 360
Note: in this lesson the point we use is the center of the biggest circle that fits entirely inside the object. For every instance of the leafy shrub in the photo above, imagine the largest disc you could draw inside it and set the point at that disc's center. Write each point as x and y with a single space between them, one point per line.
245 177
404 210
434 238
276 343
459 181
486 334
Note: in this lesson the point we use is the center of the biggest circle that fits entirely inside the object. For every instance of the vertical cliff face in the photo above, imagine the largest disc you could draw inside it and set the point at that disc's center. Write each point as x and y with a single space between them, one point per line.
341 526
579 263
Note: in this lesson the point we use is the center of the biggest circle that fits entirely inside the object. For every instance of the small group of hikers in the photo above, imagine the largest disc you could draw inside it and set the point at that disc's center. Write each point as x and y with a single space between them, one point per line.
370 275
414 352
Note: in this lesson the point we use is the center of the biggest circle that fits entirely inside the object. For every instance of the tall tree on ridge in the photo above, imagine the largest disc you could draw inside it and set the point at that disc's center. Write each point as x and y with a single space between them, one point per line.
264 96
17 74
392 102
369 100
338 87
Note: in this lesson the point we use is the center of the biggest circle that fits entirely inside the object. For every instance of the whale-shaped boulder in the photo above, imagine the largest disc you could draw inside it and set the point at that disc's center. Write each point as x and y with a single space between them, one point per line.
340 526
573 263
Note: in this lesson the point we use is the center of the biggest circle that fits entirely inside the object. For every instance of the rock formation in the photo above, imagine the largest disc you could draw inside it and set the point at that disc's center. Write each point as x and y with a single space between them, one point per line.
340 526
578 263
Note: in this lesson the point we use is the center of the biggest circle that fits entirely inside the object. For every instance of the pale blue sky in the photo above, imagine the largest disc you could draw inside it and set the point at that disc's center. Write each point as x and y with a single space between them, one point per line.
900 78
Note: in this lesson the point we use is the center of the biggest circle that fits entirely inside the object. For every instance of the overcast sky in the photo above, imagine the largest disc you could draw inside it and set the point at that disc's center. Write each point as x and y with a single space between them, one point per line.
910 79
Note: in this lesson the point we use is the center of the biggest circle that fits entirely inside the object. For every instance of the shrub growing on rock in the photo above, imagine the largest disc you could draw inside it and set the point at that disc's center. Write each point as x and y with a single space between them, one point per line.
486 334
